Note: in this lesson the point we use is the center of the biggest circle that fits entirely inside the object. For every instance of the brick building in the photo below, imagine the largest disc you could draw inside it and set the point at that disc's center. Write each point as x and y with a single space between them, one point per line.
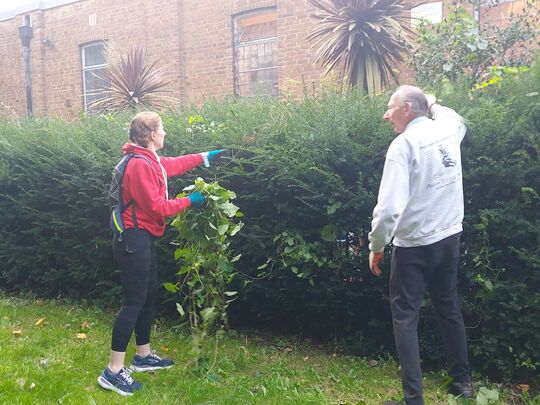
209 47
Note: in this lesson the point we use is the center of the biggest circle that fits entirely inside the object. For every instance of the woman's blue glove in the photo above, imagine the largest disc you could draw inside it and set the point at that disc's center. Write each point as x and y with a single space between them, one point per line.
208 156
196 198
215 153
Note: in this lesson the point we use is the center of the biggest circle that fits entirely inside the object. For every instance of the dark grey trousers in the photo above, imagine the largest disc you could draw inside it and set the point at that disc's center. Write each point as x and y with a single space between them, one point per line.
413 270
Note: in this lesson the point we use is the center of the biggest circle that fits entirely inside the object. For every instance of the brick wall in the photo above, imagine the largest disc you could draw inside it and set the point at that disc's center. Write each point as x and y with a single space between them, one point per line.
12 96
192 38
56 64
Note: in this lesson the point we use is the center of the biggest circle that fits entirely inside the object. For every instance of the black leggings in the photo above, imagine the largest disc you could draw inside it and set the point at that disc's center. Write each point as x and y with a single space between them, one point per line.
137 258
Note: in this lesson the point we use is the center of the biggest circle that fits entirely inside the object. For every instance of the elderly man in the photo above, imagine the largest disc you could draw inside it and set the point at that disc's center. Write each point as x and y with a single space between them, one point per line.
420 209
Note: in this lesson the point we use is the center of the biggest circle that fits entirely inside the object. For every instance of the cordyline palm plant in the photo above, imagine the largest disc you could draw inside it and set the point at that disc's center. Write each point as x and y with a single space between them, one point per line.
134 83
363 38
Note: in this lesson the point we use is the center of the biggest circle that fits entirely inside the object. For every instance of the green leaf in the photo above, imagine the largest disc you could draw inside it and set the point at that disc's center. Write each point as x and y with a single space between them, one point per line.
329 233
229 209
178 253
236 229
235 258
170 287
180 309
222 229
331 209
230 293
208 314
262 266
487 396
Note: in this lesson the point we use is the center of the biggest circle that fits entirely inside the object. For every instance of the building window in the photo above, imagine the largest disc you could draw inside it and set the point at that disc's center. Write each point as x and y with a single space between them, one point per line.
94 63
432 12
255 53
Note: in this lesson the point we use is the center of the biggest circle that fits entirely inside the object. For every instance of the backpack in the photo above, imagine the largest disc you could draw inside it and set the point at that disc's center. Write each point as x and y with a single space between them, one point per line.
116 204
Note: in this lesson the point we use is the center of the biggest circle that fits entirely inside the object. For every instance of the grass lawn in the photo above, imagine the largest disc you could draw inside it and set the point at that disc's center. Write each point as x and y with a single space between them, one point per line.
43 361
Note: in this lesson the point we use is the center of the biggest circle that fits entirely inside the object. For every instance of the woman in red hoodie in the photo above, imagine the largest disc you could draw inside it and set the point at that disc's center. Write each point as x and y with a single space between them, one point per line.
145 187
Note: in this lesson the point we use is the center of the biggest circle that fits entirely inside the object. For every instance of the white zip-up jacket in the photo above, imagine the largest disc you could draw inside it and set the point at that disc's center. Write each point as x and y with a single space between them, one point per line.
420 198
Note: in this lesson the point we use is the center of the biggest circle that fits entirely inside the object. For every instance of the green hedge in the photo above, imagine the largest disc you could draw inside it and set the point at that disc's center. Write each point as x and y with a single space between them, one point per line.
304 171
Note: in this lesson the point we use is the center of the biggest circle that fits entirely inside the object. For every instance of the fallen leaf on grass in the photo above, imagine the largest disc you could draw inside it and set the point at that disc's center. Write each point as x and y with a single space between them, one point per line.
44 362
21 382
17 333
32 386
306 358
39 322
523 387
85 325
81 336
373 363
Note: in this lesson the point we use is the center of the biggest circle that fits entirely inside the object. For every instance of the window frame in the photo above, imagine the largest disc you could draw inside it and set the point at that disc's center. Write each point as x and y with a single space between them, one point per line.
236 44
85 69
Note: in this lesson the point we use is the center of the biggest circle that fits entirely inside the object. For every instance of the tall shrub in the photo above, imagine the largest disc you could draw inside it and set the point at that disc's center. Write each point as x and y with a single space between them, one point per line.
305 172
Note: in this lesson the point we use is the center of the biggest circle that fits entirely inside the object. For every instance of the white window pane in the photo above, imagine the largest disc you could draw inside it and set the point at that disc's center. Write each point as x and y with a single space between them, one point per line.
431 12
94 55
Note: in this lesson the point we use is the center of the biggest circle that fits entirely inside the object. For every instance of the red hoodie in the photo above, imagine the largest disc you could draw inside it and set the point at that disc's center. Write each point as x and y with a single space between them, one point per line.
146 185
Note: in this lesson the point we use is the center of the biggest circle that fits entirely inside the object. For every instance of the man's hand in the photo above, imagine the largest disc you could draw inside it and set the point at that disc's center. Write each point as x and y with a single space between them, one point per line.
431 101
374 259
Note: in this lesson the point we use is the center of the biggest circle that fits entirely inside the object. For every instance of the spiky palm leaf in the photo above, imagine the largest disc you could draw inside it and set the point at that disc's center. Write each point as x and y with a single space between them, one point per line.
365 39
134 83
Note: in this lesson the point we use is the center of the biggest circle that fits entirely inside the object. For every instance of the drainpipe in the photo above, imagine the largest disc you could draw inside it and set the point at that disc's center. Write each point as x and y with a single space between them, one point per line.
476 10
25 34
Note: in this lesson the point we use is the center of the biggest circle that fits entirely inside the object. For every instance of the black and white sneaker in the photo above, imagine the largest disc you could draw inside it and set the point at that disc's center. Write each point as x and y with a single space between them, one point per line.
151 362
121 382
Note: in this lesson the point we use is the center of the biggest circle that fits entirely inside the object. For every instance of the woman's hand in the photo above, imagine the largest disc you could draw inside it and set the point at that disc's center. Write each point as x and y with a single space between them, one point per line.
197 199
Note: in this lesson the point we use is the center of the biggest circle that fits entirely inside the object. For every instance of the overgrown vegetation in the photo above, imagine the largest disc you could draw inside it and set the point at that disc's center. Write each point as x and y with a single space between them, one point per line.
206 267
461 48
304 172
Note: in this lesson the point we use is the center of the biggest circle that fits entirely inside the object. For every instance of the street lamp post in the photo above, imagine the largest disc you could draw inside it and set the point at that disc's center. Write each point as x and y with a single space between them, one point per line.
26 34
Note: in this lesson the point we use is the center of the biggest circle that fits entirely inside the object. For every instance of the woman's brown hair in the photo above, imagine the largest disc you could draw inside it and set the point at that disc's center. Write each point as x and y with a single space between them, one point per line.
142 126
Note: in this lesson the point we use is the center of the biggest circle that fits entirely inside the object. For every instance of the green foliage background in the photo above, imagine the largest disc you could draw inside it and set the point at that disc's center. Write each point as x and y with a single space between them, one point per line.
304 171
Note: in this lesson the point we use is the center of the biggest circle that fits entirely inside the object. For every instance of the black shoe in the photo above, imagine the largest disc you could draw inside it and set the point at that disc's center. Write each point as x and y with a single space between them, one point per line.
461 389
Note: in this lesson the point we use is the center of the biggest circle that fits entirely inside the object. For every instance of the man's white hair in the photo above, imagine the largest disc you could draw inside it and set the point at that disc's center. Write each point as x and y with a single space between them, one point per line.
415 96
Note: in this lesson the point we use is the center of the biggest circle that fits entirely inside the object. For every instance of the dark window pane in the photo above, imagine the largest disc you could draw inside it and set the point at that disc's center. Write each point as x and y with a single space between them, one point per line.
256 54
